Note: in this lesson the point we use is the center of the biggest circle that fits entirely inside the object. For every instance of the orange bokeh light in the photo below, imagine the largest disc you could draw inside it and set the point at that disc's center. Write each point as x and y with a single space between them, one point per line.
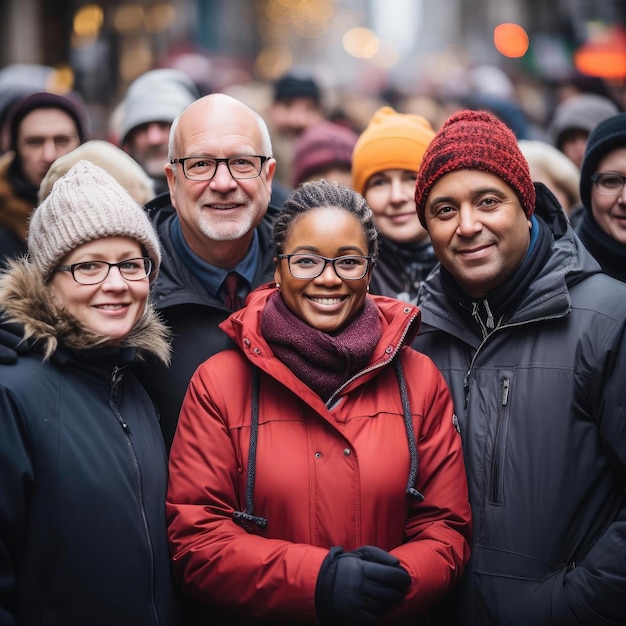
510 40
604 56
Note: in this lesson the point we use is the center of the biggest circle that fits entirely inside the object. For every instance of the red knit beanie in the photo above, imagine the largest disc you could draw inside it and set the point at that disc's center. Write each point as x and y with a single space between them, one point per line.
475 140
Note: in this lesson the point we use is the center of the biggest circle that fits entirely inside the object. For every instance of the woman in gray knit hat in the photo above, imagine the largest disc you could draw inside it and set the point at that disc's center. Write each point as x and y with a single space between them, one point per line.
83 465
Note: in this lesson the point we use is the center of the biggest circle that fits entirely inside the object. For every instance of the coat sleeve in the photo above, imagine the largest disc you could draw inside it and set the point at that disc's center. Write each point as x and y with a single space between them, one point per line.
214 559
439 529
16 470
595 587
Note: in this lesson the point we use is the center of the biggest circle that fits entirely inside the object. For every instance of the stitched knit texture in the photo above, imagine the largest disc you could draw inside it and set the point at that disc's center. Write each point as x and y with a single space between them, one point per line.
475 140
86 204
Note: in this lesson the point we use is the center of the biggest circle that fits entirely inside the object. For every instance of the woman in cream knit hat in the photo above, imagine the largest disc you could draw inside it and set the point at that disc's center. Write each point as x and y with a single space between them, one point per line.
82 459
385 161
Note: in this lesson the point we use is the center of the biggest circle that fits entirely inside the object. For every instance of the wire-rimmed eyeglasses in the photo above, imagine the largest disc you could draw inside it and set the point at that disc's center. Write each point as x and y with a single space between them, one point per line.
307 266
204 168
94 272
609 183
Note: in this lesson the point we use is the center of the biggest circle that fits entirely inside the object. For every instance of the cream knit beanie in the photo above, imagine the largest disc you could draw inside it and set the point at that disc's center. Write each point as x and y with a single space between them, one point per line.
87 203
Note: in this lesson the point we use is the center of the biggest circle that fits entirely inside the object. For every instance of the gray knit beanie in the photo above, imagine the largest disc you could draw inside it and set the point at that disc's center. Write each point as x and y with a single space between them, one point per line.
582 111
87 203
157 96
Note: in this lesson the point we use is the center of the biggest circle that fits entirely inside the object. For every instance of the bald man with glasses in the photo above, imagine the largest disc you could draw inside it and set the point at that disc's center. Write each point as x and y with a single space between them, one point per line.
215 230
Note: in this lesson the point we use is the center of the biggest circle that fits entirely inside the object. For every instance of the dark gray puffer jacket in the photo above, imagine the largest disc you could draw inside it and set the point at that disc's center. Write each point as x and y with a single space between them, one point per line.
542 409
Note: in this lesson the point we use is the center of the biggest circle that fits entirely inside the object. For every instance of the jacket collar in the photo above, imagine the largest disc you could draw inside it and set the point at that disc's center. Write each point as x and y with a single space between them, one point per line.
399 320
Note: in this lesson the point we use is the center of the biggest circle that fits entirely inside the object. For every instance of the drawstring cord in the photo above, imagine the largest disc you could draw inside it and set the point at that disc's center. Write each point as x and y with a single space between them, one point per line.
410 433
245 517
241 517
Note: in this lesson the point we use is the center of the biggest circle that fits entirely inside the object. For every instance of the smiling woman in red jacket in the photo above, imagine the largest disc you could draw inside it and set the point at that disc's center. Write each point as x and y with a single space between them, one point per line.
316 475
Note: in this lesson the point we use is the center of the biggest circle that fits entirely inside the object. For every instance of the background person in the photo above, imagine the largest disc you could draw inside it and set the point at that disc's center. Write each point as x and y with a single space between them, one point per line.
324 150
602 227
529 335
216 235
82 520
557 172
152 102
43 126
385 161
297 103
573 120
326 486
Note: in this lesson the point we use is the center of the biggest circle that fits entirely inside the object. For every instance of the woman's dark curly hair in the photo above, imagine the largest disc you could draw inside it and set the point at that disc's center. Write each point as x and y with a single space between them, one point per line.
323 193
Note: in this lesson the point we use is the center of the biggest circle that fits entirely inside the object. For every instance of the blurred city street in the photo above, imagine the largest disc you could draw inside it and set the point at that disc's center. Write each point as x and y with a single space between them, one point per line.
358 50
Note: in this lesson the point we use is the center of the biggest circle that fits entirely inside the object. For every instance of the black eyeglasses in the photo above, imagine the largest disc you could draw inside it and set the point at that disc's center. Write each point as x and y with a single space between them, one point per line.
204 168
307 266
609 184
94 272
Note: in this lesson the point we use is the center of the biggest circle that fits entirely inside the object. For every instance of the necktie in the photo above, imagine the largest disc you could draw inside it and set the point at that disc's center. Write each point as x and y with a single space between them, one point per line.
229 289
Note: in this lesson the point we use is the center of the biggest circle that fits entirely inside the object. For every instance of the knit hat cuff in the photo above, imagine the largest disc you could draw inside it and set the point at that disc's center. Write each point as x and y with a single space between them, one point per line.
386 153
87 204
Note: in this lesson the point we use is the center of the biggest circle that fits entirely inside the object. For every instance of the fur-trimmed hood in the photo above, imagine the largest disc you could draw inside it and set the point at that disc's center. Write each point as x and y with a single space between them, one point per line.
27 301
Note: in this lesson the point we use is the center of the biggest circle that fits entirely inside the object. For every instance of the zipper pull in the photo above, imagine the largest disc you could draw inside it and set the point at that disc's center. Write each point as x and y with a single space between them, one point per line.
490 322
466 388
506 383
455 423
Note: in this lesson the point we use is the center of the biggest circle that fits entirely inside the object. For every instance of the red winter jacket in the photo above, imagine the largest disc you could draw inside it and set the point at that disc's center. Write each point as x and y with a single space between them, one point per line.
324 476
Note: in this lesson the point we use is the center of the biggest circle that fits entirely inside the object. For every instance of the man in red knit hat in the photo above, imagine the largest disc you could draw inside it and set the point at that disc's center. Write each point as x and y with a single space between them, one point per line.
529 335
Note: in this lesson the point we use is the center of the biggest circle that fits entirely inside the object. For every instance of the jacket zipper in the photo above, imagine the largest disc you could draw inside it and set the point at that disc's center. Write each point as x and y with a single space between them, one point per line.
499 444
468 377
399 344
116 377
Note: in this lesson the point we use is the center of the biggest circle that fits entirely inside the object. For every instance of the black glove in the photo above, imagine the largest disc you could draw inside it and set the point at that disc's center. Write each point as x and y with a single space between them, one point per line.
356 588
8 347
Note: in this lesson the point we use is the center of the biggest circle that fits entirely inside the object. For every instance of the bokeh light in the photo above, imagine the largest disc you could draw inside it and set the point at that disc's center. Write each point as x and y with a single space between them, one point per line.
361 42
159 18
604 54
510 40
88 21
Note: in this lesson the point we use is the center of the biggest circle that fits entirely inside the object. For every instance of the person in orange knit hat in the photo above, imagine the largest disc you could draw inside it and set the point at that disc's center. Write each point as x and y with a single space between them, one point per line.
385 161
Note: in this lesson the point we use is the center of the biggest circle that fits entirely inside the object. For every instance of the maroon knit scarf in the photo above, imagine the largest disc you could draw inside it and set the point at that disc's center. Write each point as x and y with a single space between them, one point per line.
322 361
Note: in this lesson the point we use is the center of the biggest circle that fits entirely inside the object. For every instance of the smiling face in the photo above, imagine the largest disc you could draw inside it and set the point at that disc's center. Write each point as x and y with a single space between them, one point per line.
112 307
390 194
609 210
478 229
327 302
223 209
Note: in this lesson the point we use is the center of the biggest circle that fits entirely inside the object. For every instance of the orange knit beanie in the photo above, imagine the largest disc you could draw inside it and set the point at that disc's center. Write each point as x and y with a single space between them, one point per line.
391 141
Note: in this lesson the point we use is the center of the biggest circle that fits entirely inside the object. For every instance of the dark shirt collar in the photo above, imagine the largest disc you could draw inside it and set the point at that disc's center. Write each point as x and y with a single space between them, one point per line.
209 275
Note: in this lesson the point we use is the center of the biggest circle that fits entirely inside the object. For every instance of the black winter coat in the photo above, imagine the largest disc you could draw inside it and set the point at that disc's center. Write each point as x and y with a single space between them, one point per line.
83 477
542 409
193 315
